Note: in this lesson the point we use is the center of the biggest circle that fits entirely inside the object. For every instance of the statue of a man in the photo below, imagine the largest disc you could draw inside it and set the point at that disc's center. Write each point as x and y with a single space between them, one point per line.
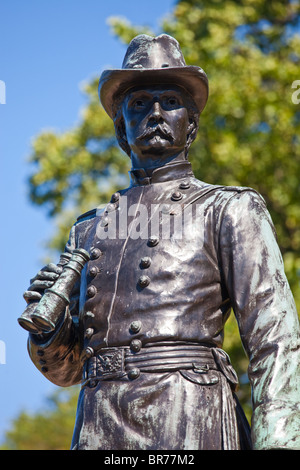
170 256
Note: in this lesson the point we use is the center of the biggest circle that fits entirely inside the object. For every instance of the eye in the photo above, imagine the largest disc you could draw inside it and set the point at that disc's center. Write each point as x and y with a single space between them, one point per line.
171 101
138 104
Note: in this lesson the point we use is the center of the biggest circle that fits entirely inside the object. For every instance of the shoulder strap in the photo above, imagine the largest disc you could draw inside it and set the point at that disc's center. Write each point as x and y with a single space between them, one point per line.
87 215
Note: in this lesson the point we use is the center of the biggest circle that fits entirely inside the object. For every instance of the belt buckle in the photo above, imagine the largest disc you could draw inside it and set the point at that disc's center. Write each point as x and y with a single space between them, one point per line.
200 369
110 363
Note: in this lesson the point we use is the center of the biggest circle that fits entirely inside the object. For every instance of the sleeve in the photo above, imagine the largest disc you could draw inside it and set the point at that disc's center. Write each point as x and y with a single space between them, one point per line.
57 354
263 304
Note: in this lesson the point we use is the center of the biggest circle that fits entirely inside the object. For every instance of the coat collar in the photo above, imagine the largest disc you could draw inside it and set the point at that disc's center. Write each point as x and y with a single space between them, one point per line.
174 171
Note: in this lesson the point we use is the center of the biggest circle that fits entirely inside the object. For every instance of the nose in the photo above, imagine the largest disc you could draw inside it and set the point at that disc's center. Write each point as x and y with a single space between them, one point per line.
156 113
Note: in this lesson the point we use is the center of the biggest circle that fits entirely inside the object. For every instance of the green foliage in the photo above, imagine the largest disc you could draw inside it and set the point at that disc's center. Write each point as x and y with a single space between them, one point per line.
232 345
125 31
77 170
249 131
48 429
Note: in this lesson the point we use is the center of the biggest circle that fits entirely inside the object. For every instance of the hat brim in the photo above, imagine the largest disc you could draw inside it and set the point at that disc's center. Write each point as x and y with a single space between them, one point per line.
112 83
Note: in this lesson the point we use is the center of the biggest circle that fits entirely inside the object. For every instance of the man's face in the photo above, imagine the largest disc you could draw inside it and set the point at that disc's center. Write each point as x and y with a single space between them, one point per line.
156 123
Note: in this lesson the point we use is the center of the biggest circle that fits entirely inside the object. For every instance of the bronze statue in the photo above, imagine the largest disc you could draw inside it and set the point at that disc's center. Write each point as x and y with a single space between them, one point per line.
170 256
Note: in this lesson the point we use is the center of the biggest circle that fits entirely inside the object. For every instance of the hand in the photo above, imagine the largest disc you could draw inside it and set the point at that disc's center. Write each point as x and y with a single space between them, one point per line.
44 279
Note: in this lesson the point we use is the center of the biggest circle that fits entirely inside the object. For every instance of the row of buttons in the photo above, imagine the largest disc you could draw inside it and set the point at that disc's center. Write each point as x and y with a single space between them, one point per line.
145 262
177 195
94 270
96 252
135 327
89 333
110 207
91 292
42 362
143 281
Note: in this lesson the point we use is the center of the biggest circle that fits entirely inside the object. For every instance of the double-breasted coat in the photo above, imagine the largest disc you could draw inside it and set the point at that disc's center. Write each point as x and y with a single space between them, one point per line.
171 256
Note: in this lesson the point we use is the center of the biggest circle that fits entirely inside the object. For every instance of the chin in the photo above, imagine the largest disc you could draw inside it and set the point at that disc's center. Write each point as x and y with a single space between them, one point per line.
154 151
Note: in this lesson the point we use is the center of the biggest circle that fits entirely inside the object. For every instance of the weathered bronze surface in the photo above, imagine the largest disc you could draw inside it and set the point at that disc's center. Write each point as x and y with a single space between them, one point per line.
33 297
43 315
56 298
170 256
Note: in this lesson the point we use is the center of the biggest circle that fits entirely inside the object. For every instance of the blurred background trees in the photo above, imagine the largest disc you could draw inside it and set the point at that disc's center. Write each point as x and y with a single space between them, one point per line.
48 429
249 136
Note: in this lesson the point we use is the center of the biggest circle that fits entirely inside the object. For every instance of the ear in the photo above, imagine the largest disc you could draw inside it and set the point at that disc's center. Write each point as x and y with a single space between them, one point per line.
121 135
192 130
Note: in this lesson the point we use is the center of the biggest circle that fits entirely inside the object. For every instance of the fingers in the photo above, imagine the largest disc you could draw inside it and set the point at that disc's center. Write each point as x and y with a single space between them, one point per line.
53 267
29 296
48 273
40 285
44 279
43 275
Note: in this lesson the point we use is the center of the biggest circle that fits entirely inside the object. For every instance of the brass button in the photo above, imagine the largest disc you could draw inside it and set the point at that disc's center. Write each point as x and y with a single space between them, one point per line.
165 208
89 333
153 240
110 207
115 197
176 196
144 281
134 373
145 262
135 345
104 221
94 271
135 326
89 352
91 291
184 185
89 315
95 253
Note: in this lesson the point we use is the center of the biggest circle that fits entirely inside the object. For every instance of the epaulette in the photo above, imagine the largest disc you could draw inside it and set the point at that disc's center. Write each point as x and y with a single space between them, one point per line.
207 189
87 215
241 189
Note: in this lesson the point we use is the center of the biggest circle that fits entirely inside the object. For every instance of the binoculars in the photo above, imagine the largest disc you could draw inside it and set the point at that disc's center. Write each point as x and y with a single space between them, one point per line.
42 316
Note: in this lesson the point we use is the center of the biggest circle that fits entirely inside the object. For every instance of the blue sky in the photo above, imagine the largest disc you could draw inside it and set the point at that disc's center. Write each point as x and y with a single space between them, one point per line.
46 50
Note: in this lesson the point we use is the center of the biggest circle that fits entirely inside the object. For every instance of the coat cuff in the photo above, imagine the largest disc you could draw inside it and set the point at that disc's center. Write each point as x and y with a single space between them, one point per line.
276 426
56 355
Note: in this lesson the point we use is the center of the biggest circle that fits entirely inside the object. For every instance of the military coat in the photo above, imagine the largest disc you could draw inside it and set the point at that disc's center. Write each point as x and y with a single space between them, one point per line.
171 256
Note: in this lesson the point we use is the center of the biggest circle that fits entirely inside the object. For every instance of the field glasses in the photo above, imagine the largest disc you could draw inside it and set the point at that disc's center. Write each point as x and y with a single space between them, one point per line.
42 316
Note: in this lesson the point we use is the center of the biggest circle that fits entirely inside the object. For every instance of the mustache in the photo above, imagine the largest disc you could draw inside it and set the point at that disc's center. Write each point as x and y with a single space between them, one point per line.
161 130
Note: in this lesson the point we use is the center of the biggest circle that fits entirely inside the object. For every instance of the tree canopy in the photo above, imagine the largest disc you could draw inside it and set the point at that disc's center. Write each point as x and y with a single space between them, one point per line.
249 132
50 428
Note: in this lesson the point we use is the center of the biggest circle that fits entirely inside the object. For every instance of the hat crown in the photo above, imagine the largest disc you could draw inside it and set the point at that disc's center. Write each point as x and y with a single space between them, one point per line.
146 52
152 61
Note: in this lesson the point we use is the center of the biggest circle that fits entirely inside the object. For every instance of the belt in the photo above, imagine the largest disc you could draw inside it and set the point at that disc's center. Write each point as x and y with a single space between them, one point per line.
116 362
